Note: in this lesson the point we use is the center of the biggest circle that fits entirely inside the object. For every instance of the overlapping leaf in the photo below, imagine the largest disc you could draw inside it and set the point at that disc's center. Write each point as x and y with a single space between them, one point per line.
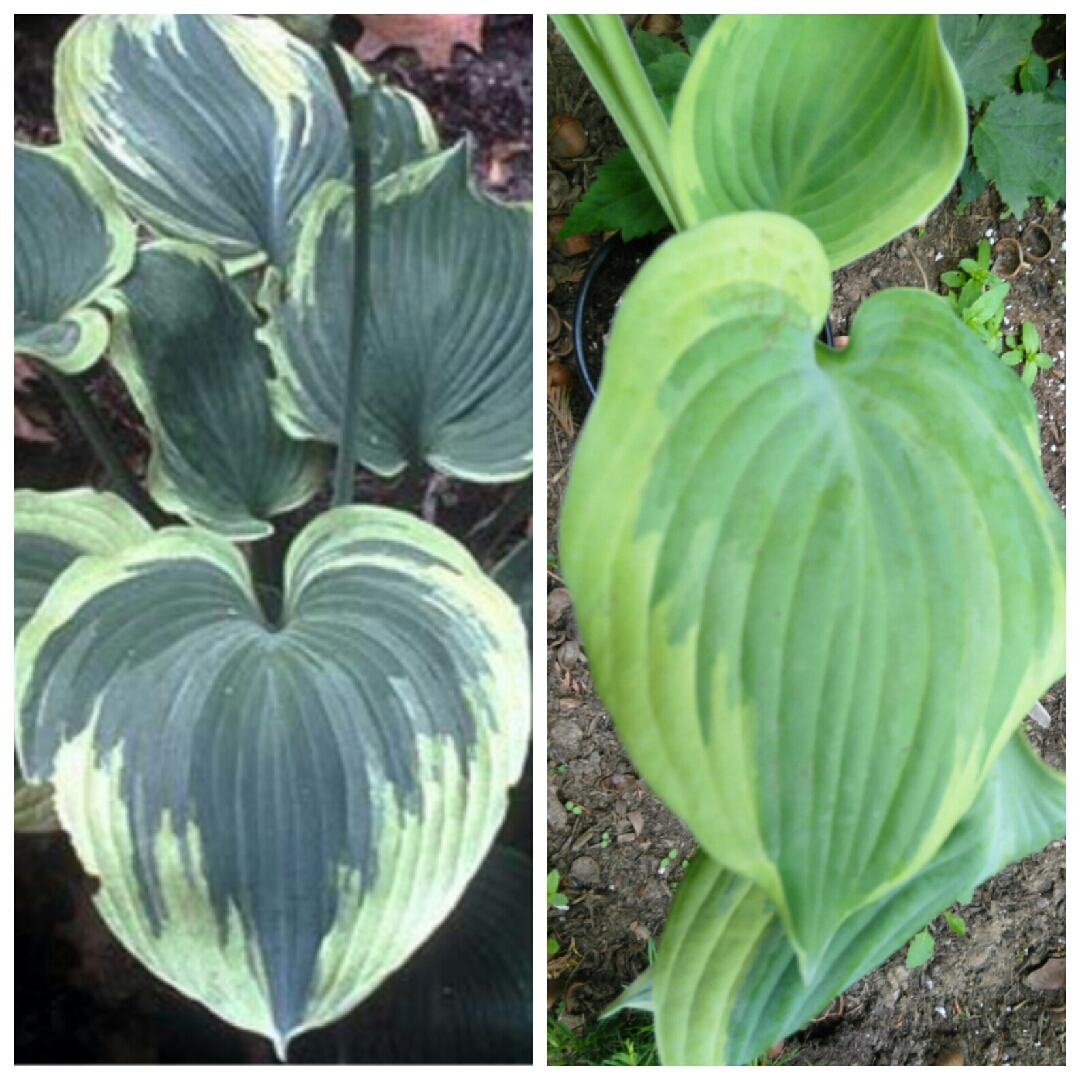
185 344
854 124
818 590
726 984
71 243
216 128
51 532
279 813
446 369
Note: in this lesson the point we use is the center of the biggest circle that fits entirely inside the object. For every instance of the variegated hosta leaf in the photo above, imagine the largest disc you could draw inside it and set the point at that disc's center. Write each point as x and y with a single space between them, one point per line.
818 589
184 341
53 529
71 242
726 984
446 370
215 128
51 532
279 814
854 124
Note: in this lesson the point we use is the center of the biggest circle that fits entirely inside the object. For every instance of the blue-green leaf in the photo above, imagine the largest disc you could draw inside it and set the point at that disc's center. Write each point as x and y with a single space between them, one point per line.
71 243
446 369
279 813
216 128
185 344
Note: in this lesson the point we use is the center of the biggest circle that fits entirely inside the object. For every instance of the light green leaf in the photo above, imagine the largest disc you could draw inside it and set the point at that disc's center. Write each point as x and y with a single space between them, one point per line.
920 950
793 573
279 814
51 532
216 128
726 983
955 923
446 371
1020 144
618 198
854 124
185 344
71 243
987 50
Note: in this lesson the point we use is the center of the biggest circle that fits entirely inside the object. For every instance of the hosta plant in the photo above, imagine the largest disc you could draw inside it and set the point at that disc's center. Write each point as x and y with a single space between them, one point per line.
819 589
284 766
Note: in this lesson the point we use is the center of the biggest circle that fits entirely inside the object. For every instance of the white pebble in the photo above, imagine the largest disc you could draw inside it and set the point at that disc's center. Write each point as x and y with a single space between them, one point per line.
940 1010
939 256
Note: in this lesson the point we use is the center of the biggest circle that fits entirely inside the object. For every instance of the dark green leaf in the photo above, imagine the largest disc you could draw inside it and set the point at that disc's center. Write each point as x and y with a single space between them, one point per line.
1056 91
619 198
1034 75
987 51
651 47
972 182
1020 144
694 28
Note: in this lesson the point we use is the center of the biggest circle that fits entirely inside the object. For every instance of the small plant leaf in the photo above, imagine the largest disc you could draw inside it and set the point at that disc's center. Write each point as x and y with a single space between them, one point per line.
920 950
1029 336
972 182
1034 75
694 28
955 922
1044 360
954 278
618 198
1027 376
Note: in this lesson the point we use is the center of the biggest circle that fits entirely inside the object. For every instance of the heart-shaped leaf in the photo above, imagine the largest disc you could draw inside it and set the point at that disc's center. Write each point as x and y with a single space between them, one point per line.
71 243
446 370
726 983
279 813
269 126
185 343
818 589
854 124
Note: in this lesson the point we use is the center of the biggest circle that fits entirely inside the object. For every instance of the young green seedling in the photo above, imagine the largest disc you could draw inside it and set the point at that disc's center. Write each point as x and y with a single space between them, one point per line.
1025 350
977 295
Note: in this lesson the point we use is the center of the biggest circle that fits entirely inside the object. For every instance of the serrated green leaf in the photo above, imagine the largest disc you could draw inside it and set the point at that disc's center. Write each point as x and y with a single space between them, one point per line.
618 198
1020 145
987 51
1034 75
1056 91
694 28
860 133
262 802
920 950
653 47
747 584
972 182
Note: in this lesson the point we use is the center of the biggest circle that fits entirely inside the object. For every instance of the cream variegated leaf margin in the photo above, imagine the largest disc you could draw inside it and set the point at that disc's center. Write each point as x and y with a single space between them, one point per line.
269 128
726 984
52 530
854 124
72 242
818 589
184 341
279 814
446 368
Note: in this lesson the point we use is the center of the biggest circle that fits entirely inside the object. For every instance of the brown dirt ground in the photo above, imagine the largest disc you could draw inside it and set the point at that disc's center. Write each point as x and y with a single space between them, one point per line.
972 998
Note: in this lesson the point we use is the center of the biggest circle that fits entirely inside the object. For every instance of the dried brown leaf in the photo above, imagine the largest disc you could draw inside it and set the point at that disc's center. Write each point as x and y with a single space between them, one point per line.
432 36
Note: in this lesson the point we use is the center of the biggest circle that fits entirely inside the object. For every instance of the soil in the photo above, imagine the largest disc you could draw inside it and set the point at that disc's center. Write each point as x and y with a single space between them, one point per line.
80 997
619 852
